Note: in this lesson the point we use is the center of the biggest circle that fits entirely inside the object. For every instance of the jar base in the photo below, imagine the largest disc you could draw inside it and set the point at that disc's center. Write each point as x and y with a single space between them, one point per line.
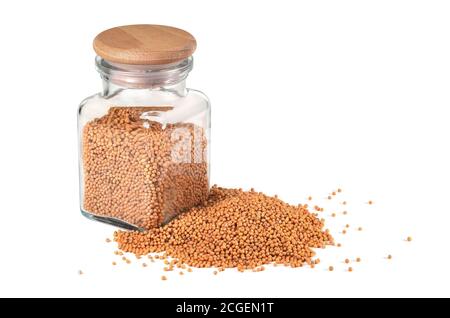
111 221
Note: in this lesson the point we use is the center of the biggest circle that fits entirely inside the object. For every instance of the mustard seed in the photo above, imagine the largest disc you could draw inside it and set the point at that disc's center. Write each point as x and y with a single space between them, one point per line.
347 261
331 268
132 167
114 263
389 256
409 239
358 259
350 269
163 277
246 217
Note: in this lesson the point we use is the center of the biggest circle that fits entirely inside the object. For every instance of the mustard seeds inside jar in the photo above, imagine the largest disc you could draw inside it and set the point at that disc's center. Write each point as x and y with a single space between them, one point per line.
144 140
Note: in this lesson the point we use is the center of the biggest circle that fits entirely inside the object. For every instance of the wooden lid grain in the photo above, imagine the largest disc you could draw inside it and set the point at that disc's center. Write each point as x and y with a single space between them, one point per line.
144 44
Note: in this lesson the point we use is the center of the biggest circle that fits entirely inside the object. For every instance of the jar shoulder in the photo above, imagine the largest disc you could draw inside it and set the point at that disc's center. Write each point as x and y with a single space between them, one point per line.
192 97
192 102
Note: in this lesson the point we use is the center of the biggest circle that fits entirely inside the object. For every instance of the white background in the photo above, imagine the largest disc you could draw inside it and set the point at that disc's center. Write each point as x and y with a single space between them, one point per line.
307 96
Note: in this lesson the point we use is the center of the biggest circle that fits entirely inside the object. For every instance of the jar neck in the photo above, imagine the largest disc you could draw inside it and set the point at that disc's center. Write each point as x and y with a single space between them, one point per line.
168 77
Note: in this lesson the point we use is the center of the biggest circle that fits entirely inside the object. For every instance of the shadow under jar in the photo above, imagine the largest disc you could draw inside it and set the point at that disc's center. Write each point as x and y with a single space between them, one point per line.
144 140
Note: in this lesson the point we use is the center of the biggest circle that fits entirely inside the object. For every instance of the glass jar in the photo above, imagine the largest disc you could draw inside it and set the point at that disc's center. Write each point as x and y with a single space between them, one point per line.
144 140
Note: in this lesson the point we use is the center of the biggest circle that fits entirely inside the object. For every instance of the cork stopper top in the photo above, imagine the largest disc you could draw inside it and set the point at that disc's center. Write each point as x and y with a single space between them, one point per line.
144 44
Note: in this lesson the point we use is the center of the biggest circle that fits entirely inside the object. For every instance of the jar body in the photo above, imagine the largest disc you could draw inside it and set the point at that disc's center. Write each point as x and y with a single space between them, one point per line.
144 153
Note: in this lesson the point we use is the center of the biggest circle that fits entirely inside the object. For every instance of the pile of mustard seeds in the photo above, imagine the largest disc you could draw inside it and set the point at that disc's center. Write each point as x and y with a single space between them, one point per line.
234 229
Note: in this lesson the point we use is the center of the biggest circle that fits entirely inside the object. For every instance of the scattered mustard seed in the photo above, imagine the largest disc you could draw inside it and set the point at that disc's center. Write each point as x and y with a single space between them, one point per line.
163 277
331 268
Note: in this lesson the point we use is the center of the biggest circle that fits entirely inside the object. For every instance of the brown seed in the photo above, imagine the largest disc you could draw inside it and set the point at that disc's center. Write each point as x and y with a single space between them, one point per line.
350 269
389 256
334 193
358 259
333 214
347 261
409 239
338 245
142 165
144 265
331 268
228 225
360 228
114 263
344 202
163 277
329 197
108 240
344 231
80 272
345 212
189 270
347 225
339 190
310 198
215 272
370 202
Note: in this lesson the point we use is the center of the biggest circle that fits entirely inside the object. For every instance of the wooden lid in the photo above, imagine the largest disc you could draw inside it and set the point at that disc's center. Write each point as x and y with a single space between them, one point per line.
144 44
